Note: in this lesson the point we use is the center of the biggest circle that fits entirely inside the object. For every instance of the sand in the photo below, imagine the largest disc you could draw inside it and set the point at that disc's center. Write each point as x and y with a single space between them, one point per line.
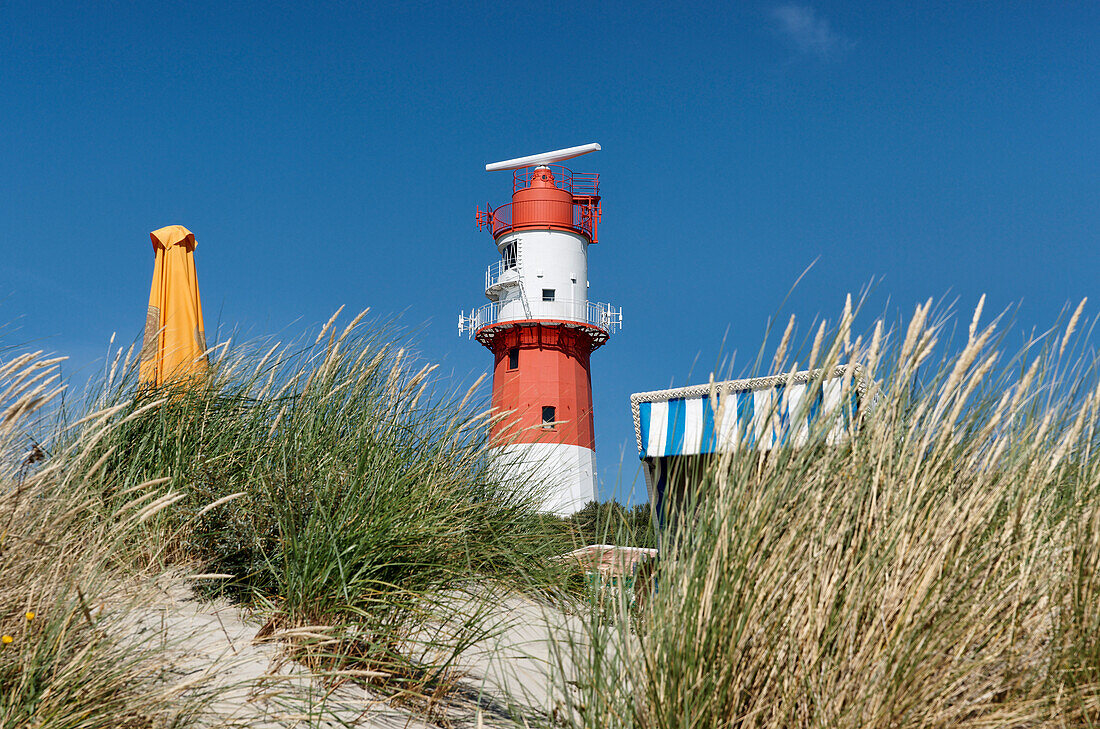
212 652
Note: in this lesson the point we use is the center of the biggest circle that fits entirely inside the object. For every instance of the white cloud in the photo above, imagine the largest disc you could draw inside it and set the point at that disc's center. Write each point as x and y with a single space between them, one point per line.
808 32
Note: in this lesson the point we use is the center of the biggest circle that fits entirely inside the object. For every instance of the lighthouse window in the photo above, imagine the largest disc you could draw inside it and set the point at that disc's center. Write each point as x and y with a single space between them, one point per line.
548 294
509 255
513 358
549 416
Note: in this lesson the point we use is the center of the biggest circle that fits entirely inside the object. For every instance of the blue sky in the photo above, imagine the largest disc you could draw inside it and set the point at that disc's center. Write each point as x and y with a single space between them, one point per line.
937 149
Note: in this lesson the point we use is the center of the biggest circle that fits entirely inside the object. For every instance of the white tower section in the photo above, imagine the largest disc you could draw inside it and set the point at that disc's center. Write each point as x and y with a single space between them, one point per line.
549 280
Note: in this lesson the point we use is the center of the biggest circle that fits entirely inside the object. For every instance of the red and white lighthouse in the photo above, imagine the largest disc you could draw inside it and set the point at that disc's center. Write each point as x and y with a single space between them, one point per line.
542 328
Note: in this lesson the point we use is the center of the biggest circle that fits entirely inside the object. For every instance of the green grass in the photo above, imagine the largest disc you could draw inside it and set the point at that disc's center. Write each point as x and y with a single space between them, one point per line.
335 483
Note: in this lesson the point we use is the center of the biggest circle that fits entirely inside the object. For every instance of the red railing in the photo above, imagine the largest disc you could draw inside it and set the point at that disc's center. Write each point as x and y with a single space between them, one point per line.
586 219
581 184
584 186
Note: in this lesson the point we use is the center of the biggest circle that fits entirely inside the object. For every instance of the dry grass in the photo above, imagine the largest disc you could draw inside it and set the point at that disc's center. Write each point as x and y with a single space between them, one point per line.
62 662
937 570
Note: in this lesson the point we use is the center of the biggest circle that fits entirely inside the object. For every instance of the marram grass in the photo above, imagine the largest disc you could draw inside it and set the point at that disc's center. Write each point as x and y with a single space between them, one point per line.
334 484
939 569
63 558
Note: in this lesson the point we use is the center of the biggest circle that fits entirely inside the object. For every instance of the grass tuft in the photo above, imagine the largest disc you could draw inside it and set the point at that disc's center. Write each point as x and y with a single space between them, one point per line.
337 482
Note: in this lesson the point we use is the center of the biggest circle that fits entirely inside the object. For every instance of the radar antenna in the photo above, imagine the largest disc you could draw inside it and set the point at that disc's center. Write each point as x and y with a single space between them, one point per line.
544 158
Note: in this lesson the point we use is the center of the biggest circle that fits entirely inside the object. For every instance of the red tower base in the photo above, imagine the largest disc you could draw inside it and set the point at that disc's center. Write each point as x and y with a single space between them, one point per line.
543 388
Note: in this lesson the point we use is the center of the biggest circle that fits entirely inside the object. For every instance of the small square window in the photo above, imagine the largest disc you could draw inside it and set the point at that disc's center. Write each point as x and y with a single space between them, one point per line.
548 294
549 416
513 358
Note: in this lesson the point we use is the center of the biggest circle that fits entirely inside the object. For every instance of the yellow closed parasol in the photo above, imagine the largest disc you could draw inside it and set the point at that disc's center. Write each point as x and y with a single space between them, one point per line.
174 346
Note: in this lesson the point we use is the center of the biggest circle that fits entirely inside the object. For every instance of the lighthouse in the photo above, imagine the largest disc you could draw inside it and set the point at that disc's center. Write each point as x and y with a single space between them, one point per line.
542 328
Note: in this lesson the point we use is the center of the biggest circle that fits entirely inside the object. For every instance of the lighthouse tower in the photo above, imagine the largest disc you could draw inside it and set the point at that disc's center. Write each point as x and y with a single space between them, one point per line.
542 328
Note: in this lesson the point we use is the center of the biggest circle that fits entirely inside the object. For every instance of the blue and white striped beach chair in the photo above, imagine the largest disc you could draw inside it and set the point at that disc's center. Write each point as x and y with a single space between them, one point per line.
751 414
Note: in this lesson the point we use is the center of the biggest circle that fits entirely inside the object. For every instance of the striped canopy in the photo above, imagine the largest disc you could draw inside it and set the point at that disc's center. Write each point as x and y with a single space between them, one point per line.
761 412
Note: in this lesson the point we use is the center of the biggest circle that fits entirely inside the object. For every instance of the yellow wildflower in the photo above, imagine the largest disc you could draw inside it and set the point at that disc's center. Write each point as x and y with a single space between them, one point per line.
30 615
7 639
